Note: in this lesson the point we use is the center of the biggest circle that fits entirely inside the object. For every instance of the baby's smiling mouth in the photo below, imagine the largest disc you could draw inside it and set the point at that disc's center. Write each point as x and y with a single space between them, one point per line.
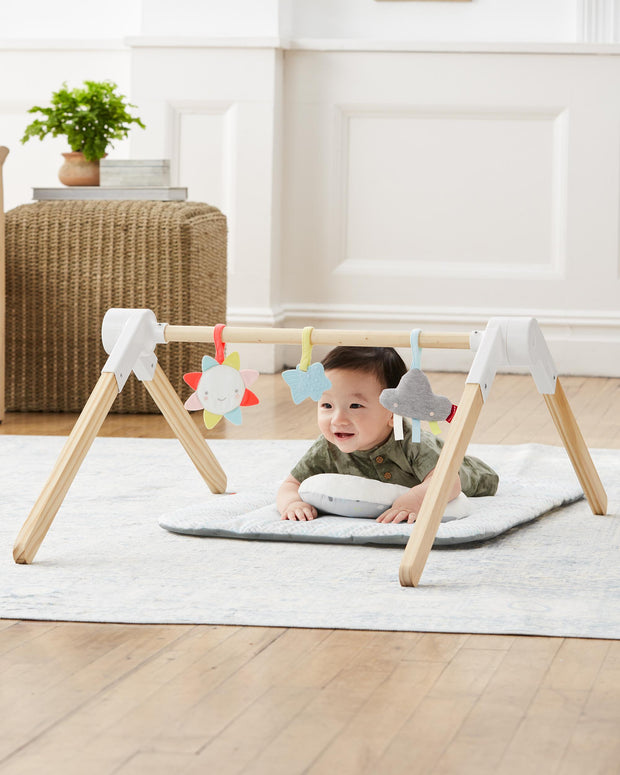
343 435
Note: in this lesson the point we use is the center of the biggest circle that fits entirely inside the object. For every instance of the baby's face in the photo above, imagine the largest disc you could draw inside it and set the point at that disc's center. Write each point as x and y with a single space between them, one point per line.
349 413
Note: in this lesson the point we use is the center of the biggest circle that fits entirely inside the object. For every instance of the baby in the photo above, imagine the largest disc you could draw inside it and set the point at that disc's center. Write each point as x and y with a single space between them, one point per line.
357 438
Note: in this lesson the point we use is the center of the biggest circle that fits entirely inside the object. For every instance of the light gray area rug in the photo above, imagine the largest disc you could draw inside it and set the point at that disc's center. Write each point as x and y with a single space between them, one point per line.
107 559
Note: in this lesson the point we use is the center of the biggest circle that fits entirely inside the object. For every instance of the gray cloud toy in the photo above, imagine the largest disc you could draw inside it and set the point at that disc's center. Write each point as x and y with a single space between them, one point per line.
414 398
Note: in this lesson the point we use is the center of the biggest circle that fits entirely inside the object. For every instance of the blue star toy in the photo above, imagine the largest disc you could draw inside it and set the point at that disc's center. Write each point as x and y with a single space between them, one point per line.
306 380
311 383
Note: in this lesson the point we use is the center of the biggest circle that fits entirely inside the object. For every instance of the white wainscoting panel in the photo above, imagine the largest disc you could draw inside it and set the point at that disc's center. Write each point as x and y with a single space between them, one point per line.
201 154
430 177
203 141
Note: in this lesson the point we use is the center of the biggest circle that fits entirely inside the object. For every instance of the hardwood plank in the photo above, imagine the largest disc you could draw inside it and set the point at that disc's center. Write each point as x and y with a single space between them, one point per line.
379 720
236 746
20 632
603 700
577 664
499 642
481 741
545 733
594 745
109 726
59 690
139 729
156 764
509 401
208 695
437 718
341 697
437 647
40 661
542 737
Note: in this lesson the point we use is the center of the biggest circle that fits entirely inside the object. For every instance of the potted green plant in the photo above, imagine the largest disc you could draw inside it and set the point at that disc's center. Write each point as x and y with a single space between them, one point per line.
90 117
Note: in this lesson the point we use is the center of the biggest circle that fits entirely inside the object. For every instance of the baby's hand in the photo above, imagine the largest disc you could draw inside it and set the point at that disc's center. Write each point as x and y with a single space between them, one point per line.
299 511
404 508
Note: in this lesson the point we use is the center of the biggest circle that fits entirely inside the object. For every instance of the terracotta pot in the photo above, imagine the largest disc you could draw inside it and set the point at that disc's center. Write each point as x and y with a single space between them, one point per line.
76 171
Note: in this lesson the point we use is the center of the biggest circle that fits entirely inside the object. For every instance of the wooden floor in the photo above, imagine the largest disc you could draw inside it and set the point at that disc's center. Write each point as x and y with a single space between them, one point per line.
112 698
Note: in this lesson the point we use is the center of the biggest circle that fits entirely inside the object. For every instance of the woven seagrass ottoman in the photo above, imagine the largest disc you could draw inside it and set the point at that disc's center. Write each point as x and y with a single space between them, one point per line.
68 262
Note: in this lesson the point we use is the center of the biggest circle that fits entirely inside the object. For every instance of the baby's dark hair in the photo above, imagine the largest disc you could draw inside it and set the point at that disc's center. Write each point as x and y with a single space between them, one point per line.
384 362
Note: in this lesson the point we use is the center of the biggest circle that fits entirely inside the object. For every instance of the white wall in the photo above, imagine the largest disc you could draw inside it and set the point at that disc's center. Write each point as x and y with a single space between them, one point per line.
69 19
216 19
480 20
449 188
43 43
381 164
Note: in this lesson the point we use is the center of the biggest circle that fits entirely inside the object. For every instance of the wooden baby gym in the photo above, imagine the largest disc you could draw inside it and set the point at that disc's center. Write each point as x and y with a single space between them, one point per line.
130 337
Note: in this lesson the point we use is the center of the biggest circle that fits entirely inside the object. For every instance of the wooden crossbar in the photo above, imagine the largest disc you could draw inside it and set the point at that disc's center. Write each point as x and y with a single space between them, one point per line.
333 337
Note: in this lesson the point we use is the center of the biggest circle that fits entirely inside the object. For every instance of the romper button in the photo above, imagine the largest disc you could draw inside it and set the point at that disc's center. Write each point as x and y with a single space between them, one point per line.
387 475
379 459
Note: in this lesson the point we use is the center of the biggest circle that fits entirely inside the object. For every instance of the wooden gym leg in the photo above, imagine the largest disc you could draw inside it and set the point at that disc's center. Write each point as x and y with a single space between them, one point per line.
577 449
186 431
434 504
66 467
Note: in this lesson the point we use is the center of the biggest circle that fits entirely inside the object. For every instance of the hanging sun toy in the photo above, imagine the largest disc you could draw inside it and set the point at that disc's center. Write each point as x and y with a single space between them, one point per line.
221 387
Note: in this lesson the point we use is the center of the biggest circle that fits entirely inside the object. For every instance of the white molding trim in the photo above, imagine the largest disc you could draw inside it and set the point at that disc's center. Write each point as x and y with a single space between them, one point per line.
179 108
225 109
255 316
596 21
588 20
157 41
452 47
465 316
378 46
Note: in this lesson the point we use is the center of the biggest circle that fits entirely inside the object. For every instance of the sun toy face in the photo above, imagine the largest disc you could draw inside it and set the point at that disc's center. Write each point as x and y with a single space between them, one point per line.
221 389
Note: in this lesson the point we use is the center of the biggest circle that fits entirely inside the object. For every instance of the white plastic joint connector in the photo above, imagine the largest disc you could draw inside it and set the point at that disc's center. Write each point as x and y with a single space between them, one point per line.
129 337
475 337
515 342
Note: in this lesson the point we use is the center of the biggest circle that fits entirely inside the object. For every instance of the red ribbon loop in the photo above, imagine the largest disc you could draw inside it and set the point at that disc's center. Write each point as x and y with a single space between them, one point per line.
219 343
